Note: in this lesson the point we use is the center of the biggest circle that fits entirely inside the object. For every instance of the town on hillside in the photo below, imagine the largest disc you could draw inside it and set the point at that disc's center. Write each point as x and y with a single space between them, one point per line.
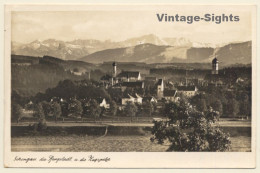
124 94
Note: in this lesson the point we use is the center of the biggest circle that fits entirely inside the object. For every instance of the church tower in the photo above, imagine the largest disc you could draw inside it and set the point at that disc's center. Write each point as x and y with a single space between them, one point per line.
114 69
215 66
113 78
160 88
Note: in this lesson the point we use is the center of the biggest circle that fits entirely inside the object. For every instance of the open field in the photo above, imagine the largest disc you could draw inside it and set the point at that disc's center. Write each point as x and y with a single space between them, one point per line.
75 143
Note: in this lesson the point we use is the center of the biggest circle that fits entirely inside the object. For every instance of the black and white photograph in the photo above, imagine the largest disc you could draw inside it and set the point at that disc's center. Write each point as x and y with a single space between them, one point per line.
144 79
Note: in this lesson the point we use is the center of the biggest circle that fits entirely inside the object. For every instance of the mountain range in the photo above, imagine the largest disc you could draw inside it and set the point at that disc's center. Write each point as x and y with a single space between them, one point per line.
236 53
147 48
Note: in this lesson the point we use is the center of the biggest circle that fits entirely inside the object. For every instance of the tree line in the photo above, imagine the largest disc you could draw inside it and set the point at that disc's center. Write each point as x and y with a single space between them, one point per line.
229 103
80 99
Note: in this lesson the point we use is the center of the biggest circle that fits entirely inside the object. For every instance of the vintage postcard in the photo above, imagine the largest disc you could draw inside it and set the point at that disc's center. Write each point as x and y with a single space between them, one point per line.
130 86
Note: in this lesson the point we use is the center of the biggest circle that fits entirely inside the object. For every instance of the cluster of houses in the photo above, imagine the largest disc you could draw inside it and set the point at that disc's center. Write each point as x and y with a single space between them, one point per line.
133 79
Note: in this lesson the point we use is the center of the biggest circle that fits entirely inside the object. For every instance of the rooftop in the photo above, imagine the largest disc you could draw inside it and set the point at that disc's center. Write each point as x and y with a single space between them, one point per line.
129 74
133 84
160 82
169 93
215 60
133 96
186 88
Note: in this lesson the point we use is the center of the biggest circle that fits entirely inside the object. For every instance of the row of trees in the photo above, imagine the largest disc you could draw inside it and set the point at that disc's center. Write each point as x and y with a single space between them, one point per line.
41 110
73 108
68 89
86 104
227 103
82 109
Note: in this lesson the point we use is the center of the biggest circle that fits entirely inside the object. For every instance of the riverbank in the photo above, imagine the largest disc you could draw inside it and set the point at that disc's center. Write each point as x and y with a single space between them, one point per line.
109 129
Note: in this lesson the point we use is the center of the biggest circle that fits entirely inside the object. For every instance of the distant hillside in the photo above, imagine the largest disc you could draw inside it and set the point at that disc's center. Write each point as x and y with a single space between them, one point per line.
139 53
30 75
66 64
235 53
19 59
149 53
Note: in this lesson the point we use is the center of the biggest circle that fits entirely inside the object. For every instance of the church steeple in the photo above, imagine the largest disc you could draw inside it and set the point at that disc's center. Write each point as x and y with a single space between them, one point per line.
215 65
114 69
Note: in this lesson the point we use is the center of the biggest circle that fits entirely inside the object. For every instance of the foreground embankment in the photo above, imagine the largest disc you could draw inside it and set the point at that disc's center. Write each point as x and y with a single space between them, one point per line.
102 129
106 138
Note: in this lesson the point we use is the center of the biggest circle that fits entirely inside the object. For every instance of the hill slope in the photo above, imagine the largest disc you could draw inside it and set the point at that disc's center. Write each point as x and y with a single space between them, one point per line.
230 54
30 75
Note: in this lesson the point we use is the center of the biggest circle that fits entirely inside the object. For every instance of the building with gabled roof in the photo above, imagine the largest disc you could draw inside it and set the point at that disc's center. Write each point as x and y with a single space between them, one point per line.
125 85
188 91
129 76
170 95
132 98
103 103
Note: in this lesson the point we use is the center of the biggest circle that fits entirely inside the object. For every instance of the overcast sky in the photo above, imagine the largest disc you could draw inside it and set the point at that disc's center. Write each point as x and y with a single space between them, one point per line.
118 25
